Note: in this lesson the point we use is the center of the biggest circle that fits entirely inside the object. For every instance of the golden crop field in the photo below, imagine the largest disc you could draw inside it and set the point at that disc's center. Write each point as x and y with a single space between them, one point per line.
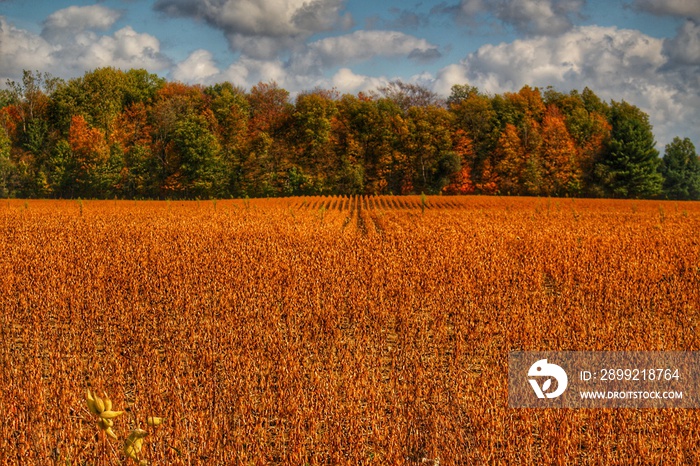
365 330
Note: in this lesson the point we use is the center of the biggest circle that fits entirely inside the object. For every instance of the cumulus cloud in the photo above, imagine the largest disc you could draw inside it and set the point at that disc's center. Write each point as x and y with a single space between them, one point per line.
448 77
196 68
306 68
262 28
680 8
75 19
348 82
68 55
125 49
533 17
22 50
363 45
684 49
616 63
201 68
248 71
588 55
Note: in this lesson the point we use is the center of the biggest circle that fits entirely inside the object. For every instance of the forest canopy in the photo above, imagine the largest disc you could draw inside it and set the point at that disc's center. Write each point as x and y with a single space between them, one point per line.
132 135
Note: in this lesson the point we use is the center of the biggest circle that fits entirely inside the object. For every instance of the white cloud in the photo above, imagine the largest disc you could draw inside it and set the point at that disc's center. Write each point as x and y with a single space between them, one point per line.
75 19
22 50
72 55
680 8
196 68
348 82
262 28
593 56
448 77
86 48
125 49
248 71
359 46
306 68
617 64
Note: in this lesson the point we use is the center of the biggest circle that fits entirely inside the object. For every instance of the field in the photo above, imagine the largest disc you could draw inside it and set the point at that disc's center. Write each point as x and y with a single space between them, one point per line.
366 330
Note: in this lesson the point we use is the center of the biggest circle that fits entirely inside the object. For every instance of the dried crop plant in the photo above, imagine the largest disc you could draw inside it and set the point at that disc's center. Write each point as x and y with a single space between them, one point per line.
346 330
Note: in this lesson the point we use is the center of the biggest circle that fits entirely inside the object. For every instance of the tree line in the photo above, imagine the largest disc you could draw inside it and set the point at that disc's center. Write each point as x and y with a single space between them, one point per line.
131 134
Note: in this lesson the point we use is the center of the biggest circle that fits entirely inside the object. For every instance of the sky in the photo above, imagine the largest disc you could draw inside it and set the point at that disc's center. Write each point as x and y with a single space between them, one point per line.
646 52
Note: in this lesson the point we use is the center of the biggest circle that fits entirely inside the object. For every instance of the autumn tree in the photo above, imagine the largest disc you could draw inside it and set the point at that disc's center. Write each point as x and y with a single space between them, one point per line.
407 95
475 116
347 147
90 153
132 140
591 134
517 108
141 87
6 166
372 130
461 181
174 103
232 111
27 124
101 95
31 96
562 173
521 112
266 158
429 146
311 136
586 121
461 92
511 157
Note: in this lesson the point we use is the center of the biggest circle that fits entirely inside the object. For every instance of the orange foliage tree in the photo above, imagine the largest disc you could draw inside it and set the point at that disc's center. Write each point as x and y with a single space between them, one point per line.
461 182
90 152
562 172
511 161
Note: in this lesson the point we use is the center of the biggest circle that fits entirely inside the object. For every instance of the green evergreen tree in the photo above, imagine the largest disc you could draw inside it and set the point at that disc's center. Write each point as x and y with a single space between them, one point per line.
630 166
681 170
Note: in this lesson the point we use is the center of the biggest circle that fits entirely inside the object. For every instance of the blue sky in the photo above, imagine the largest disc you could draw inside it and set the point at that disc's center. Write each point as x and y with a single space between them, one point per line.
644 51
